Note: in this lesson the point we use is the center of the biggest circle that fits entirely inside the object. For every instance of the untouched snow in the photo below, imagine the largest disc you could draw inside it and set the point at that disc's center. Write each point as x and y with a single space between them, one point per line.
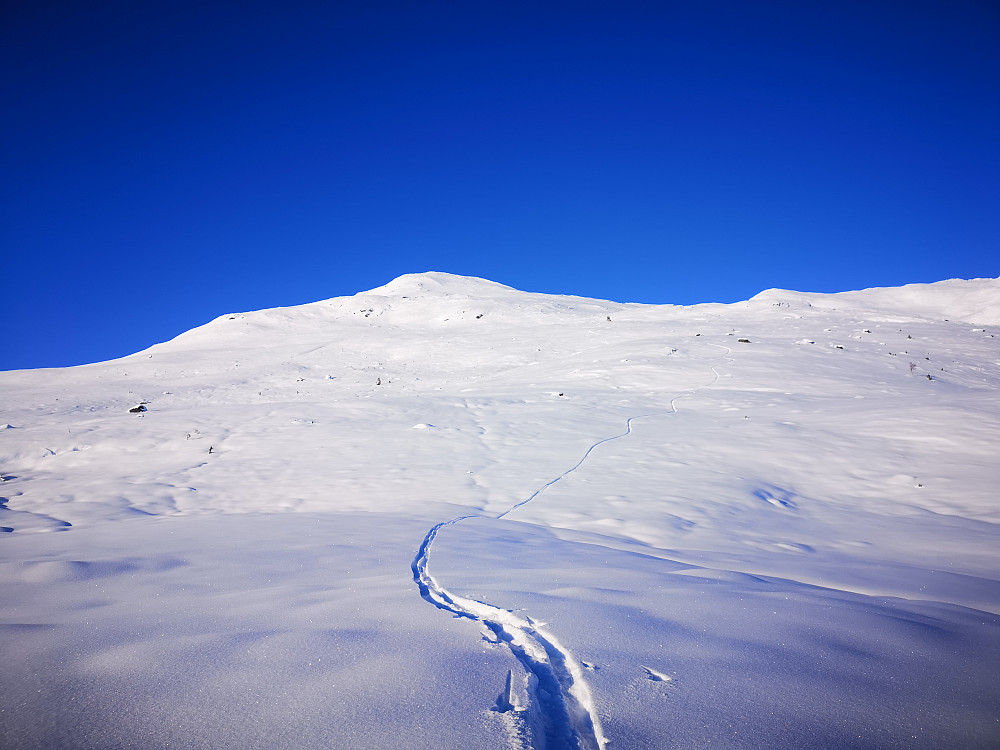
954 300
445 513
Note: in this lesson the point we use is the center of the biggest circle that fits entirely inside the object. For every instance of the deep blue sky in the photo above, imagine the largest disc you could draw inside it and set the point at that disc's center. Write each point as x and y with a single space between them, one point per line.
165 163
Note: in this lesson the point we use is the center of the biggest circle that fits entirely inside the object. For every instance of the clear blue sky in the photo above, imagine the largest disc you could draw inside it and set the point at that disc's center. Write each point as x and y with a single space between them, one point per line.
165 163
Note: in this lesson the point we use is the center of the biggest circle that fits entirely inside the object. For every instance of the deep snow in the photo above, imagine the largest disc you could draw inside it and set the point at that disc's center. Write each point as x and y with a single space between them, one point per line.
768 524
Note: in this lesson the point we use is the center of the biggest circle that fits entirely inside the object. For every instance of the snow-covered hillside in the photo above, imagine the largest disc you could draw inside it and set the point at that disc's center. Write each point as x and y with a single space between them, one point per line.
446 513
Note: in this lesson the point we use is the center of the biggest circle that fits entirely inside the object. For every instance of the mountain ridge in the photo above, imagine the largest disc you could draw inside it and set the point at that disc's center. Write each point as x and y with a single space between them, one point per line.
965 300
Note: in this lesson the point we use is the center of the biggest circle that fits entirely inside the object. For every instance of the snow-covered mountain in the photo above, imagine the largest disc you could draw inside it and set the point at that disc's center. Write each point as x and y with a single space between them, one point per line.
446 513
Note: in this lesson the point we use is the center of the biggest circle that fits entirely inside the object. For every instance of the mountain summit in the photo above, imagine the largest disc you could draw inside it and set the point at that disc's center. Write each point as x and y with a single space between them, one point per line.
437 283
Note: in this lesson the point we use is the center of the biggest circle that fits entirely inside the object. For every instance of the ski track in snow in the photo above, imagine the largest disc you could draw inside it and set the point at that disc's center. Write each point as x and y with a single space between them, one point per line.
561 714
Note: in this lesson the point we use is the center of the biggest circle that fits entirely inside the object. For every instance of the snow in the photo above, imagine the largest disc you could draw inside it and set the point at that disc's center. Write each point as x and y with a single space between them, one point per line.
973 301
446 513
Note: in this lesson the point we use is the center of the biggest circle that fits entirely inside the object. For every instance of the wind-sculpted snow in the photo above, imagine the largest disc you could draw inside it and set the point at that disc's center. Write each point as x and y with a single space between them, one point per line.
766 524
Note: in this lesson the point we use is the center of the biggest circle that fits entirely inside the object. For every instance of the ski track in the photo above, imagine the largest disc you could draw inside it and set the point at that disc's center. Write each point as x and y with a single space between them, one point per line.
561 713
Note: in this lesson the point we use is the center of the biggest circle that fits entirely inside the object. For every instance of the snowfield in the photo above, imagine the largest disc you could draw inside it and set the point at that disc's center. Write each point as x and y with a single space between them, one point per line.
445 513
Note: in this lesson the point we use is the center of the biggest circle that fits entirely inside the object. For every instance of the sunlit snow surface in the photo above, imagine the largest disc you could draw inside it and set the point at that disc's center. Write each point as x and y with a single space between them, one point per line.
772 524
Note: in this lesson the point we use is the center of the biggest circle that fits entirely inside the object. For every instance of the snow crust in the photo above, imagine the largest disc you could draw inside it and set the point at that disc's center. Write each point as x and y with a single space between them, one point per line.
446 513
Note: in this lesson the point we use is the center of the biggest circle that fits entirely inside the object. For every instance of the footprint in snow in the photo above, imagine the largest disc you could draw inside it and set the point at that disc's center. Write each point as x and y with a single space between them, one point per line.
776 496
654 675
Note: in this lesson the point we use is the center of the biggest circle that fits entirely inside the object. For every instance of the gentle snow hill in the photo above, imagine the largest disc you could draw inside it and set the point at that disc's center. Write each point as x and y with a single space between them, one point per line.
434 300
447 513
972 301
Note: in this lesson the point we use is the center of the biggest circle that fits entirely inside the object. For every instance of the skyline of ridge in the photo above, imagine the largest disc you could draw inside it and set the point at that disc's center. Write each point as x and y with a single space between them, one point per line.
162 166
974 301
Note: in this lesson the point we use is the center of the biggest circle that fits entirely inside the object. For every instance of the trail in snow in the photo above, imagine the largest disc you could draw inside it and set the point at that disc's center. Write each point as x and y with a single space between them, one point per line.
561 714
628 431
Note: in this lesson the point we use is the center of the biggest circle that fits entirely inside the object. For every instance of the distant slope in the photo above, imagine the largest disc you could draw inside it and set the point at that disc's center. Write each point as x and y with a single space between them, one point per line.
969 301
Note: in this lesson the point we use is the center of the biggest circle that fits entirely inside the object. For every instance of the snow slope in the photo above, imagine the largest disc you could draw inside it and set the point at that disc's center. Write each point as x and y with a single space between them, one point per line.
445 513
